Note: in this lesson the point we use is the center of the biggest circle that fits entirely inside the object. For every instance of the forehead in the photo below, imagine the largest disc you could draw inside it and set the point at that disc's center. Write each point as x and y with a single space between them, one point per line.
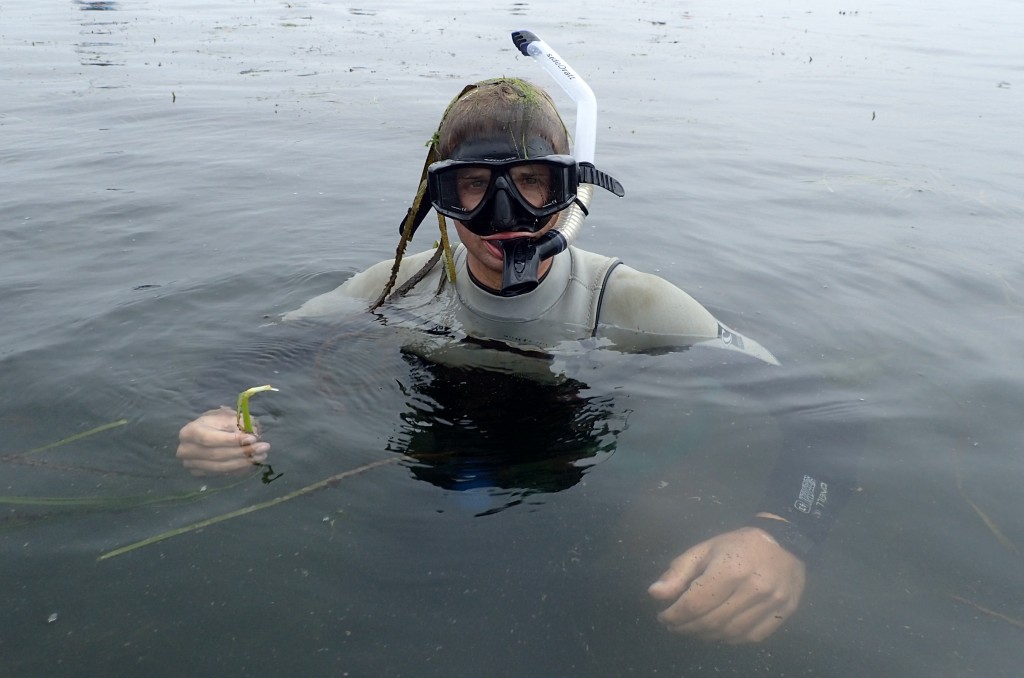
502 148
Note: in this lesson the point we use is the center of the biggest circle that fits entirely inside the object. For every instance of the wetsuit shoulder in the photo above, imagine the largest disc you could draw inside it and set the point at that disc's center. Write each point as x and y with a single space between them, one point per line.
354 294
645 303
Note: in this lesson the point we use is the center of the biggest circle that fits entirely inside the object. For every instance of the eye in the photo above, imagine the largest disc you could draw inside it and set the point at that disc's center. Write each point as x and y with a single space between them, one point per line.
531 176
474 180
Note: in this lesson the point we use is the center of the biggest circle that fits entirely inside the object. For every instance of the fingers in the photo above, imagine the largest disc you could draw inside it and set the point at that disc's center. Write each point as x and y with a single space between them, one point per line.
707 603
680 574
744 616
230 449
745 588
202 467
212 444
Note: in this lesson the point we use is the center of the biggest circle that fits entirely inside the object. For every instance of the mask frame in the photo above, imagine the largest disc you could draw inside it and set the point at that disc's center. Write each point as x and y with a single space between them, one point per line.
504 204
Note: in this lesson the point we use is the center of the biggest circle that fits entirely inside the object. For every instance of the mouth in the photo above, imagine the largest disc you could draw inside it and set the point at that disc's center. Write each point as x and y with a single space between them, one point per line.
510 235
496 250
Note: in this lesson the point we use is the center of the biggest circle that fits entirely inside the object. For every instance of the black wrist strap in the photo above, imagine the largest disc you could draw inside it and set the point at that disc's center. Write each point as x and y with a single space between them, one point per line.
787 535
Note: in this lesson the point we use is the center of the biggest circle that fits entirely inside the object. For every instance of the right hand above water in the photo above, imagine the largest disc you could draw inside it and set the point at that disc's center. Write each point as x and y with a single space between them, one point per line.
213 444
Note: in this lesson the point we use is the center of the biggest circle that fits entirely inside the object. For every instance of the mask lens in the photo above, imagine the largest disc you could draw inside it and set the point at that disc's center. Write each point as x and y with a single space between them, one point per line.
541 187
533 183
471 184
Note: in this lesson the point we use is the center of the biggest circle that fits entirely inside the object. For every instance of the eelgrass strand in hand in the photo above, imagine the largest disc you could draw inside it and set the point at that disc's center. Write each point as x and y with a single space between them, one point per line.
242 417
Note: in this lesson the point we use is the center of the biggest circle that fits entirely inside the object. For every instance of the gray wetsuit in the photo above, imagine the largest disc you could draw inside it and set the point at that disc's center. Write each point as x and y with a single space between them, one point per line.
583 295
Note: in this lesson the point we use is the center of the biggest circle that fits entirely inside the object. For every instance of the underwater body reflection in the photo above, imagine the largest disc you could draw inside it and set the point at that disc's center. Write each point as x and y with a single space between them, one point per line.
491 422
499 437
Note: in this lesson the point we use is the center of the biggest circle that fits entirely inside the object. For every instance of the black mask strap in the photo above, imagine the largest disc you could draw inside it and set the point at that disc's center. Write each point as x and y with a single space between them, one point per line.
589 174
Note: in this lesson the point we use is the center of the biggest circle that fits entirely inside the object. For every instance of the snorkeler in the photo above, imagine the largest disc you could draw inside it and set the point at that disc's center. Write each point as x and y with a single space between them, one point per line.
500 168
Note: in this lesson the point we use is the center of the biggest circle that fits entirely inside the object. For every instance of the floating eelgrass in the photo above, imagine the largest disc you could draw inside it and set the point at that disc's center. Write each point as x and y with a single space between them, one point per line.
77 436
990 612
244 420
93 502
248 509
116 502
23 457
1000 536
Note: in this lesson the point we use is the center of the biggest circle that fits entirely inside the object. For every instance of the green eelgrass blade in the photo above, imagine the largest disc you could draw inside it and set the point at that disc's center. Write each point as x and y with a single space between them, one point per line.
78 436
248 509
115 501
63 501
242 417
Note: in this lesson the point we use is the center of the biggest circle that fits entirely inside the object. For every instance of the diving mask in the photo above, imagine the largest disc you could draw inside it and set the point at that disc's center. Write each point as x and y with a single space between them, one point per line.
491 196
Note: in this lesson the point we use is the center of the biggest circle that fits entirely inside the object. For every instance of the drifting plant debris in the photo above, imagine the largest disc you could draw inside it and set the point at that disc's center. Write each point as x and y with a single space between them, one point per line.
248 509
91 502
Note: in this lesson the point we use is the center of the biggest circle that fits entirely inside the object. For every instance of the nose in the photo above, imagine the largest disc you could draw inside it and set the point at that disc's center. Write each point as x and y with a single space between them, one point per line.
503 218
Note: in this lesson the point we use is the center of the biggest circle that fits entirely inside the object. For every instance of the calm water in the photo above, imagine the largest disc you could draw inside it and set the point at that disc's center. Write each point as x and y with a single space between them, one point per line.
840 181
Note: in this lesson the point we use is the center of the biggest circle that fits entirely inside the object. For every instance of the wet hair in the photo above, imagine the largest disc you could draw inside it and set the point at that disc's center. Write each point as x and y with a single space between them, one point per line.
499 107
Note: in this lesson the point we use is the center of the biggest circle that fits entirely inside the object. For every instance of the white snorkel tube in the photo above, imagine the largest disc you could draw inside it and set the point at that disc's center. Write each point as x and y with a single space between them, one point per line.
570 81
521 263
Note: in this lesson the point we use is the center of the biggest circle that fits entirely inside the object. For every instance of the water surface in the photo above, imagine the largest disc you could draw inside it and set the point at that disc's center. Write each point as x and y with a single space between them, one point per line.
840 182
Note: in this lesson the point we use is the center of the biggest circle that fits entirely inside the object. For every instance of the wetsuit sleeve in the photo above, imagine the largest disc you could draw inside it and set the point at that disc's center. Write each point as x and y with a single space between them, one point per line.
297 337
815 475
822 440
819 446
822 437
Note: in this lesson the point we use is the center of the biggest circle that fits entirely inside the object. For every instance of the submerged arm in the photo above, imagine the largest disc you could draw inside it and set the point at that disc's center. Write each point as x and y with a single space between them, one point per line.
742 585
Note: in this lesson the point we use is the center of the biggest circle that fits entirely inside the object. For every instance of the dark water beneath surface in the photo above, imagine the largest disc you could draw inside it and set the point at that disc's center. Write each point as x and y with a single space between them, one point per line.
841 182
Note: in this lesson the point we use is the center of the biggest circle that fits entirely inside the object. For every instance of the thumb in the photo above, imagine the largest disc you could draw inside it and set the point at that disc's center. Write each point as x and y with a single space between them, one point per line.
680 574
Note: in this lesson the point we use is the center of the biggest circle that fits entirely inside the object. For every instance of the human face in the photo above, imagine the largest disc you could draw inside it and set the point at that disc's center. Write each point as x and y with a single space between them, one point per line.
508 219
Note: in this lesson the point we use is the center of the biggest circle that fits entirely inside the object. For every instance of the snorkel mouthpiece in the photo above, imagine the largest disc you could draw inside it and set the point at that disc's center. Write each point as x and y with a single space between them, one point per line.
522 258
522 264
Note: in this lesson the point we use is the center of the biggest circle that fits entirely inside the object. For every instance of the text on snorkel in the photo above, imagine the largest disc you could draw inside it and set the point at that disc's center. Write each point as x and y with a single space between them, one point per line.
562 67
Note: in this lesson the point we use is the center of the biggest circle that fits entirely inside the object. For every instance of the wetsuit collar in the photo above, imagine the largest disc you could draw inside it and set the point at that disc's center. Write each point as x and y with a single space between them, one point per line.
520 308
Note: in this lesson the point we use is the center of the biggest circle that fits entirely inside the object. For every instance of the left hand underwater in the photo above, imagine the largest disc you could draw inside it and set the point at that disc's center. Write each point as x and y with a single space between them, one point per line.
738 587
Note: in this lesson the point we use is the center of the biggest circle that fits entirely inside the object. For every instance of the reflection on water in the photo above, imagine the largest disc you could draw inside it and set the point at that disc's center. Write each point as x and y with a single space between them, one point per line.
94 52
96 6
501 435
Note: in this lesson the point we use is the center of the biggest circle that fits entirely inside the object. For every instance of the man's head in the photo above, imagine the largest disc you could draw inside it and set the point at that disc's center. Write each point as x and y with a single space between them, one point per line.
504 165
499 167
507 109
